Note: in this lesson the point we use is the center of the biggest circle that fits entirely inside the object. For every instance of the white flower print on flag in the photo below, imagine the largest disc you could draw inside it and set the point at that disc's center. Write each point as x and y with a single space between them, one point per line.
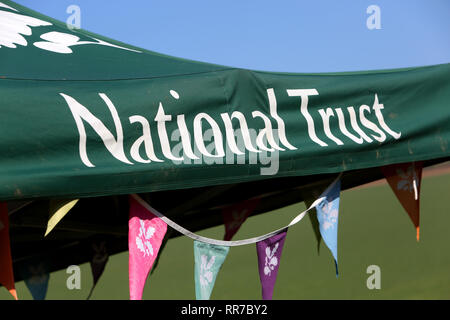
271 260
143 239
330 216
206 275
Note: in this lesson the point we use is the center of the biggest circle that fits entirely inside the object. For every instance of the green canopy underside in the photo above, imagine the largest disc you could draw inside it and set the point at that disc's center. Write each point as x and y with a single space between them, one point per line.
83 115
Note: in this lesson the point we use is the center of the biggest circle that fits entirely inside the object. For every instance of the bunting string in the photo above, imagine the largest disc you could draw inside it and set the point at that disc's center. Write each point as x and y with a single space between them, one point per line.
235 242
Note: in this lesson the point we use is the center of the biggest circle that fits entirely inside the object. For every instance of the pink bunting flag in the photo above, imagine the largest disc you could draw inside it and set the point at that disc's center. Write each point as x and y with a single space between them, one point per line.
405 180
235 215
145 235
269 256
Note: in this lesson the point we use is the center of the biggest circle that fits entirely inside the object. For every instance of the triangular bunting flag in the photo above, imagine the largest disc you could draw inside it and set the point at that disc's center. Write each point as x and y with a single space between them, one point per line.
269 255
163 245
405 180
6 268
314 222
36 277
327 215
208 261
235 215
98 261
58 209
145 234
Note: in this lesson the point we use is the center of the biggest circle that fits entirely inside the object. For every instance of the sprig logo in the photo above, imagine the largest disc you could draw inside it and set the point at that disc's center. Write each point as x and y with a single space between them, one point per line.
206 274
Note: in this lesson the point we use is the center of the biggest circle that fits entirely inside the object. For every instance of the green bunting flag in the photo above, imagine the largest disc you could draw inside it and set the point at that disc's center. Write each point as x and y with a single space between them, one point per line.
208 261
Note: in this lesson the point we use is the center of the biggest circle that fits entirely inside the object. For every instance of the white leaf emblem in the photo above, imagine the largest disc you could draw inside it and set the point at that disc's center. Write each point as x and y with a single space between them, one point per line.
143 239
14 26
330 215
62 42
271 260
206 274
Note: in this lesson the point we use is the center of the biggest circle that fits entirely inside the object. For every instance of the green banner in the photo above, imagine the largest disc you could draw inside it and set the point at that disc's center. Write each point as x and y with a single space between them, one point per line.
83 115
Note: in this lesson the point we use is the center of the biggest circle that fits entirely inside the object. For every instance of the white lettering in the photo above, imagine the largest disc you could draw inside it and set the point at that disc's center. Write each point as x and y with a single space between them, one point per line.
80 113
304 94
378 107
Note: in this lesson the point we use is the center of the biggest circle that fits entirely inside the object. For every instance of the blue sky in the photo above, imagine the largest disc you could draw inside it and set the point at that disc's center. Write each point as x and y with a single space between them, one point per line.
290 36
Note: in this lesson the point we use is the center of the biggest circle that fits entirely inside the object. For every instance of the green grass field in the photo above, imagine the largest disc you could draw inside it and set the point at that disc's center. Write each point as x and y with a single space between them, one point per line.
373 230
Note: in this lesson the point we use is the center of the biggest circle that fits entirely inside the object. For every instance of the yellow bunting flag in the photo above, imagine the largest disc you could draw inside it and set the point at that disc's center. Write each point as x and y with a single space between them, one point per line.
58 209
405 180
6 268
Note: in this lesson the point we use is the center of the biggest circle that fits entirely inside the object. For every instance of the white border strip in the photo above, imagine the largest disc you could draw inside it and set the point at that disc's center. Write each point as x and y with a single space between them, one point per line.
237 242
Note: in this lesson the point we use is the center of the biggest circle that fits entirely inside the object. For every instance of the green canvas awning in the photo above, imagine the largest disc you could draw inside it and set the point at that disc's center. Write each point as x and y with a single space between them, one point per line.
84 116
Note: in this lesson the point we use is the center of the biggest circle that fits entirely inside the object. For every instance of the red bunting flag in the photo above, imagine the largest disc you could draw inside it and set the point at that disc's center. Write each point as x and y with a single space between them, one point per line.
235 215
405 180
6 268
145 235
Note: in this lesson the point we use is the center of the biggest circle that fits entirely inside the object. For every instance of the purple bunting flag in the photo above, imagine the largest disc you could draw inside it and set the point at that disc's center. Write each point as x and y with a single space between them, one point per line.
269 255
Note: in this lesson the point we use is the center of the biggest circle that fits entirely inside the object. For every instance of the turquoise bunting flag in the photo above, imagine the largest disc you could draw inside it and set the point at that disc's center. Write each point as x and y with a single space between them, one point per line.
208 261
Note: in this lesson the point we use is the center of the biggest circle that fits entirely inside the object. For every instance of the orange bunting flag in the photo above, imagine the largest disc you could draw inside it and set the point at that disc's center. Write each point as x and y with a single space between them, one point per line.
405 180
6 268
